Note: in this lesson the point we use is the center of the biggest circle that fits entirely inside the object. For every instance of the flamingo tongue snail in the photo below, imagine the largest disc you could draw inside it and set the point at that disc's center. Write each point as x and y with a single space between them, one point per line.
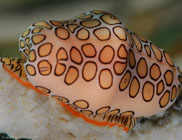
96 68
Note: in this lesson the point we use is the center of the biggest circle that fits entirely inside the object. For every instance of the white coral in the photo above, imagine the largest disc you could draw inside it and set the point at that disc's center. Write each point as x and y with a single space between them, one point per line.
25 113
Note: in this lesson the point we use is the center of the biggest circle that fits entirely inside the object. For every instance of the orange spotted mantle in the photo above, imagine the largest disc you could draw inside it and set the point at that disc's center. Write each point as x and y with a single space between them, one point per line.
96 68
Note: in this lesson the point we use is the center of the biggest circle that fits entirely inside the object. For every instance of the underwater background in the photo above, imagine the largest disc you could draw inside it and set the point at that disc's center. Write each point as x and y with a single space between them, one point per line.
158 21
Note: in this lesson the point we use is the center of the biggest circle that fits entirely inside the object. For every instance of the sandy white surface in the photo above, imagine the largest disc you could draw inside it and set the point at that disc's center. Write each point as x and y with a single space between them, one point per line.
25 113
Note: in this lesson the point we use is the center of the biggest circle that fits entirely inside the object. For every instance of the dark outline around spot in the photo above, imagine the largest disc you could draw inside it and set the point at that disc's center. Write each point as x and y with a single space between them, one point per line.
157 87
51 21
146 50
82 17
174 86
120 63
29 56
128 111
73 47
123 79
87 110
129 36
43 26
60 97
49 91
138 87
37 32
67 25
112 111
29 30
28 72
24 50
155 53
167 91
43 45
95 71
139 37
159 71
101 52
83 101
102 108
92 46
105 69
99 29
122 45
103 14
146 68
49 65
62 72
67 74
164 53
117 35
135 35
132 53
79 31
143 91
81 23
64 51
63 29
166 79
40 41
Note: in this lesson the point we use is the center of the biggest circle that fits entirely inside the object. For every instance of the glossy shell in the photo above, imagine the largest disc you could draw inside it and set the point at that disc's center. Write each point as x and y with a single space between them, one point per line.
94 64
